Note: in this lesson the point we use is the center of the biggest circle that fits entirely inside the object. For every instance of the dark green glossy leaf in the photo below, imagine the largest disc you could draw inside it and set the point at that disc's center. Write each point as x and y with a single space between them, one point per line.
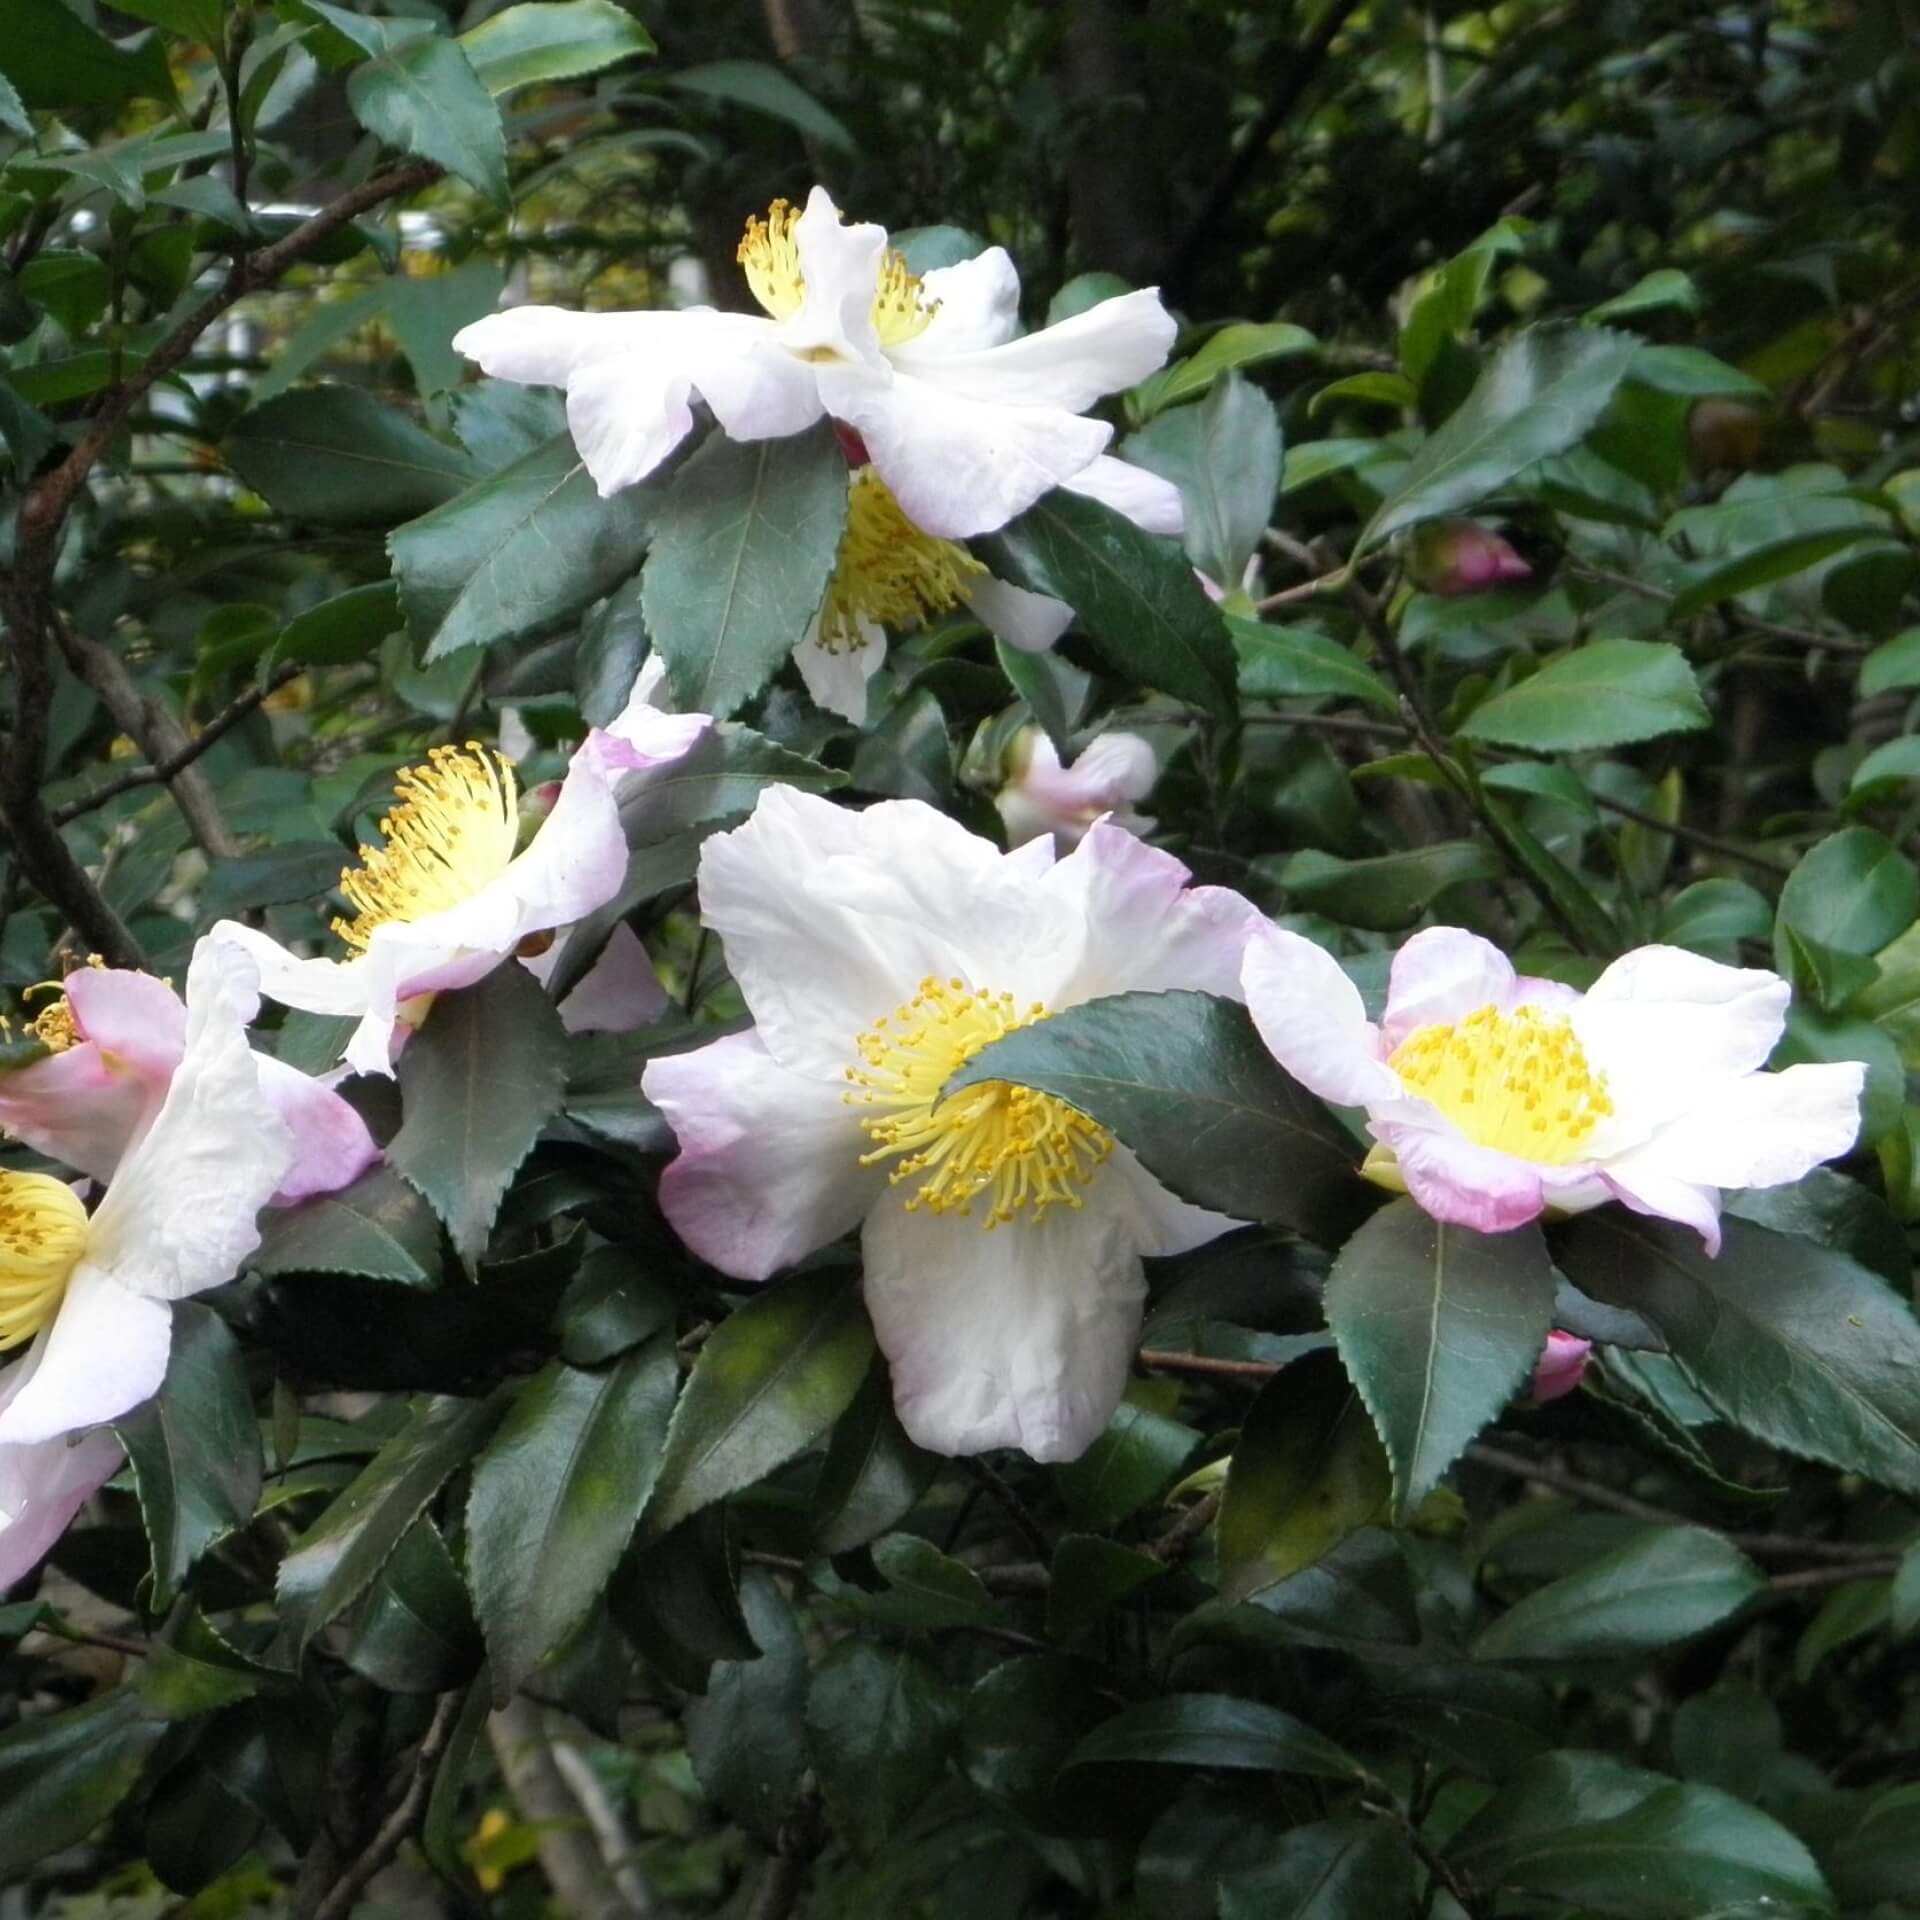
1285 663
610 1308
1761 567
524 45
195 1670
1333 1870
350 626
873 1475
745 1737
1439 1327
415 1632
1091 1576
1241 343
1138 1455
1854 891
421 94
879 1721
1389 890
61 1774
54 59
378 1228
1215 1730
1607 693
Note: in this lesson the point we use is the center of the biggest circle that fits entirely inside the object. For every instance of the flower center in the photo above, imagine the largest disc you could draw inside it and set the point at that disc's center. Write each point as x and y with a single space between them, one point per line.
887 570
43 1232
1026 1151
900 308
1516 1082
451 833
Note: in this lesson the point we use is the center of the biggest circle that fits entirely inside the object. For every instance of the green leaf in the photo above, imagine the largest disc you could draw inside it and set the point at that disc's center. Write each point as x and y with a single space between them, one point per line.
518 554
551 40
1714 914
556 1496
1439 1327
73 287
194 1448
1090 1577
1761 567
1854 892
477 1083
1224 456
201 20
1215 1730
54 59
772 1377
1135 595
1693 373
349 626
1607 693
194 1670
879 1722
337 457
1345 1869
873 1475
1286 663
13 110
1665 290
1184 1080
610 1308
742 550
379 1228
1886 767
1241 343
1894 664
1542 391
926 1591
1388 891
61 1774
1795 1343
338 1558
1136 1458
416 1632
765 89
1307 1471
421 95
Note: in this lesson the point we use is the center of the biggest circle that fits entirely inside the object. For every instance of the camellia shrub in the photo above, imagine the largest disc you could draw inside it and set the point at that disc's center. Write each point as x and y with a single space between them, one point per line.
837 1087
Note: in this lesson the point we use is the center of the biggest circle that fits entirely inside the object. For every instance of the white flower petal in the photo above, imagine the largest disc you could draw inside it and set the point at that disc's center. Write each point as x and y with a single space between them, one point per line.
543 346
836 677
626 418
180 1214
42 1487
769 1161
959 466
840 265
1441 975
1313 1020
1151 503
1020 1337
1766 1130
1030 622
619 993
105 1352
1162 1223
1645 1189
976 304
1068 366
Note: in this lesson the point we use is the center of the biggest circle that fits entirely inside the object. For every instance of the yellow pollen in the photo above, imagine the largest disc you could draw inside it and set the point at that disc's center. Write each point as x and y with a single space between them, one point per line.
451 833
43 1232
887 570
1516 1082
54 1025
1025 1151
900 308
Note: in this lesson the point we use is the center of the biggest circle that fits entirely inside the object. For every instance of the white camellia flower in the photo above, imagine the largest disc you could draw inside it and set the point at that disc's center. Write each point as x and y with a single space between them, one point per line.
1041 796
966 423
446 898
1002 1230
1495 1097
94 1293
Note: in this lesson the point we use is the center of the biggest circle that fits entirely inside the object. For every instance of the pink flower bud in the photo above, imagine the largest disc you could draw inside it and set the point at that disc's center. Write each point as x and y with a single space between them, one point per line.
1562 1362
1452 557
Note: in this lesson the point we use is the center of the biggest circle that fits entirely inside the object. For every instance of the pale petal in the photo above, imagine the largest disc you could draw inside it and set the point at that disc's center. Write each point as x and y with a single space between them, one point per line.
1161 1222
1766 1130
1313 1020
650 686
626 417
644 735
620 992
769 1162
1461 1183
1645 1189
180 1214
105 1353
43 1485
78 1108
840 266
1029 622
1068 366
133 1017
976 304
331 1145
543 346
836 677
1441 975
1019 1337
366 986
959 466
1151 503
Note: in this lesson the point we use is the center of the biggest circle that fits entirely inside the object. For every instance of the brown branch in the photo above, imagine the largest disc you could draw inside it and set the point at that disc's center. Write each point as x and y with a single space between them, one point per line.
1693 836
1206 1363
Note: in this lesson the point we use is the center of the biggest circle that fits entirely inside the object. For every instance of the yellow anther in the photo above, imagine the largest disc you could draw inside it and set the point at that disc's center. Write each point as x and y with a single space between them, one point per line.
900 309
1024 1151
43 1232
451 833
888 571
54 1025
1516 1082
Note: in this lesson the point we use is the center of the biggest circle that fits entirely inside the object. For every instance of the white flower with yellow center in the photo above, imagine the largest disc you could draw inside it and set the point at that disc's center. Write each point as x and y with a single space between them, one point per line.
1107 775
1494 1097
1002 1231
965 422
446 899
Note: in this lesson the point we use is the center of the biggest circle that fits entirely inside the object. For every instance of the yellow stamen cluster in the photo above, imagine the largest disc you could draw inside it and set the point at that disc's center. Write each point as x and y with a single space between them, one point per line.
54 1025
1517 1082
1026 1151
43 1232
887 570
900 308
451 833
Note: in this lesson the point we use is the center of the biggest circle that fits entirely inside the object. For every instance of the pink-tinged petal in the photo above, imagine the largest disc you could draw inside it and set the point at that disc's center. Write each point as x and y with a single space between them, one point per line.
1144 929
1151 503
1766 1130
1021 1337
1313 1020
643 736
43 1486
1549 996
976 304
1562 1362
620 992
836 677
1069 366
1463 1184
331 1145
1644 1188
77 1108
959 466
1441 975
1027 622
839 269
133 1017
105 1352
769 1162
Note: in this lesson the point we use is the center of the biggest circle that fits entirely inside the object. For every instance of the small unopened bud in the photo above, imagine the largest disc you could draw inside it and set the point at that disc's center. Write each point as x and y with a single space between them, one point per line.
1725 433
852 445
1562 1362
535 804
1042 796
1452 557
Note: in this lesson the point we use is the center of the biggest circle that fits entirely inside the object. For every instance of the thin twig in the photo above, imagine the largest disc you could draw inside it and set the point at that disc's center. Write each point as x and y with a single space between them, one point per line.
1693 836
1206 1363
1171 1545
1806 1577
1010 1503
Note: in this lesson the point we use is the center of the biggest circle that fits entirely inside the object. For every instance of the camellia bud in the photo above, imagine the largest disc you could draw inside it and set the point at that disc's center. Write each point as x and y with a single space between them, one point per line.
1562 1362
1452 557
1725 433
1042 796
535 804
